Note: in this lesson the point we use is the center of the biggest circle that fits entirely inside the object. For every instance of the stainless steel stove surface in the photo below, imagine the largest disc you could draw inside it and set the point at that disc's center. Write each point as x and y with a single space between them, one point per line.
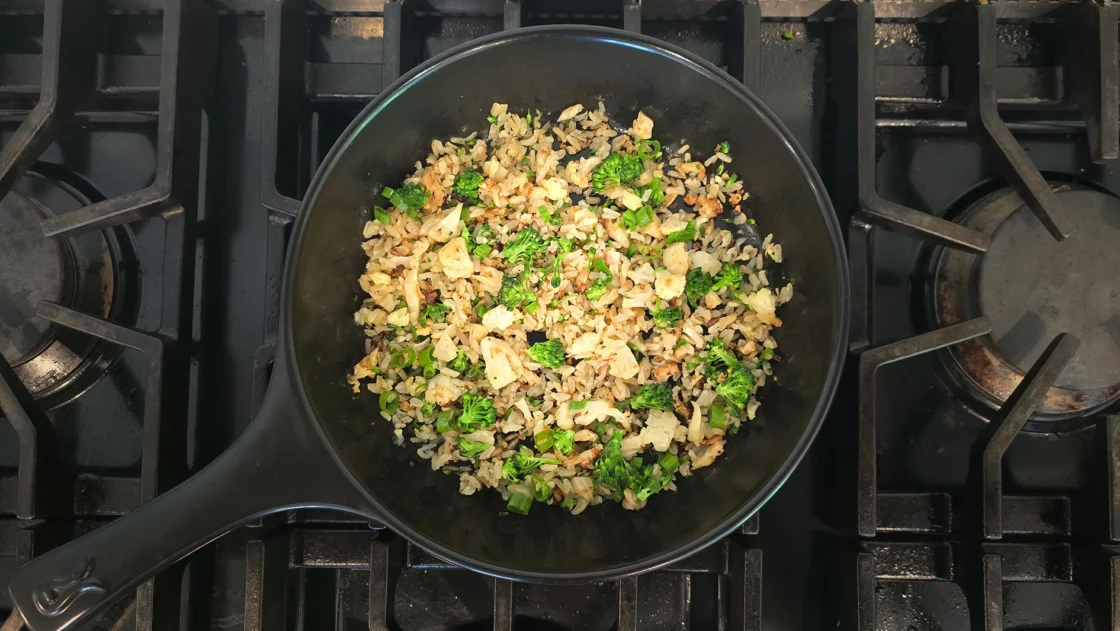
153 155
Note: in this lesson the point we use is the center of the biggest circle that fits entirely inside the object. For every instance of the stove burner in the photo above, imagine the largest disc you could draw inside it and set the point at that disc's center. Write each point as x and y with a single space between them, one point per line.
1032 288
81 272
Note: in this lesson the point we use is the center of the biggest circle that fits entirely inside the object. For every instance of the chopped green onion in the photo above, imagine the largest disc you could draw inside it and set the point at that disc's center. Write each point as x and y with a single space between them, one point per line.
669 462
389 401
725 147
519 503
492 119
543 440
734 178
576 406
428 408
402 358
532 308
767 354
649 150
443 420
428 362
718 419
381 215
719 169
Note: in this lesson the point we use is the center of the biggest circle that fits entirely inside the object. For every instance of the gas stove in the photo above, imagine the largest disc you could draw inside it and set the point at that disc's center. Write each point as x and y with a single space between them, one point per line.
153 156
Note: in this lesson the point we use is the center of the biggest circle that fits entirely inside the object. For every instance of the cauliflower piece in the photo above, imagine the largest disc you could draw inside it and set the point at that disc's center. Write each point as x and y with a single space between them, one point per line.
660 429
642 274
379 278
584 345
675 259
623 364
630 445
412 293
570 112
503 366
675 223
668 285
456 259
598 410
763 303
445 349
443 228
499 318
443 390
642 127
399 317
481 436
555 188
705 261
696 426
625 196
706 456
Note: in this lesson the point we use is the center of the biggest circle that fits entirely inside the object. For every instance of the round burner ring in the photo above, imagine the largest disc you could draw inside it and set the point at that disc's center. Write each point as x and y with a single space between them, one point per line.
1032 287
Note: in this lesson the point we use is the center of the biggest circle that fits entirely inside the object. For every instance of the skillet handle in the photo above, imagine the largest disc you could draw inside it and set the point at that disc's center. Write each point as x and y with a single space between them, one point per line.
269 468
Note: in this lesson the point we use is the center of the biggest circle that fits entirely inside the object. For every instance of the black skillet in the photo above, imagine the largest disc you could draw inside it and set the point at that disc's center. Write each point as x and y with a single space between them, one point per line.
316 444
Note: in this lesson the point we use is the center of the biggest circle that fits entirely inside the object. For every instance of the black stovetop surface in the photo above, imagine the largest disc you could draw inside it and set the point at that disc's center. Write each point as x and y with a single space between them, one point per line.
202 121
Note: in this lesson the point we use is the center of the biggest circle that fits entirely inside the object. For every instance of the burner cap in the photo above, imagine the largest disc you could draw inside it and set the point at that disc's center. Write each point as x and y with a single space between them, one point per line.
32 268
1032 288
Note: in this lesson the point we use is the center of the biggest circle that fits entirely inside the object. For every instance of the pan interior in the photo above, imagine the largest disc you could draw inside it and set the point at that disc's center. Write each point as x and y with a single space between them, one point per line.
549 70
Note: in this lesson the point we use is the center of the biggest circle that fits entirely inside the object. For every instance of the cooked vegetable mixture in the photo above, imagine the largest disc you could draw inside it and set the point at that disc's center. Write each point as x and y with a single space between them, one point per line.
553 312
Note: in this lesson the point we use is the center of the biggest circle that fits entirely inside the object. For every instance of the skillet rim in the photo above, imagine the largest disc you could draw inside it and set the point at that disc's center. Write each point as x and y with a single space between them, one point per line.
648 45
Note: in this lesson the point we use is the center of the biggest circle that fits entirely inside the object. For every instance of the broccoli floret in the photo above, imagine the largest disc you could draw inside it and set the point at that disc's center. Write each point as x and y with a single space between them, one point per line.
736 389
513 293
599 287
729 276
410 198
466 185
644 483
697 284
471 449
636 219
478 411
616 170
564 246
524 247
653 395
656 197
682 236
563 440
523 463
436 312
549 354
667 317
611 468
720 359
461 363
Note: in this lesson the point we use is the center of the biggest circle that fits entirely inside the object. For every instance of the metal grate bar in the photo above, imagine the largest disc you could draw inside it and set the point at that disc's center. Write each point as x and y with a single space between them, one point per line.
503 605
632 16
1112 454
1015 413
856 37
68 71
35 493
628 604
973 80
187 67
861 267
870 362
1093 72
511 15
745 593
285 44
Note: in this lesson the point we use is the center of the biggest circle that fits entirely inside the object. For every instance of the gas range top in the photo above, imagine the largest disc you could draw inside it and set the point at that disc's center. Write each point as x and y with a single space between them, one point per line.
153 155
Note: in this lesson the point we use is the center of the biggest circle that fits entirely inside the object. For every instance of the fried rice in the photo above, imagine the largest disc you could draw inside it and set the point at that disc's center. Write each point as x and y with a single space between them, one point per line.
567 312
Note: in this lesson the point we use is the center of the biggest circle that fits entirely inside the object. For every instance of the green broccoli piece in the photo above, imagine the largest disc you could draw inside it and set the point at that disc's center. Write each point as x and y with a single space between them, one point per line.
523 463
599 287
410 198
656 197
654 396
478 411
696 284
729 276
736 389
616 170
541 490
682 236
644 483
563 440
466 185
719 358
564 246
513 293
471 449
636 219
611 468
435 312
550 354
667 317
478 241
524 247
461 363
